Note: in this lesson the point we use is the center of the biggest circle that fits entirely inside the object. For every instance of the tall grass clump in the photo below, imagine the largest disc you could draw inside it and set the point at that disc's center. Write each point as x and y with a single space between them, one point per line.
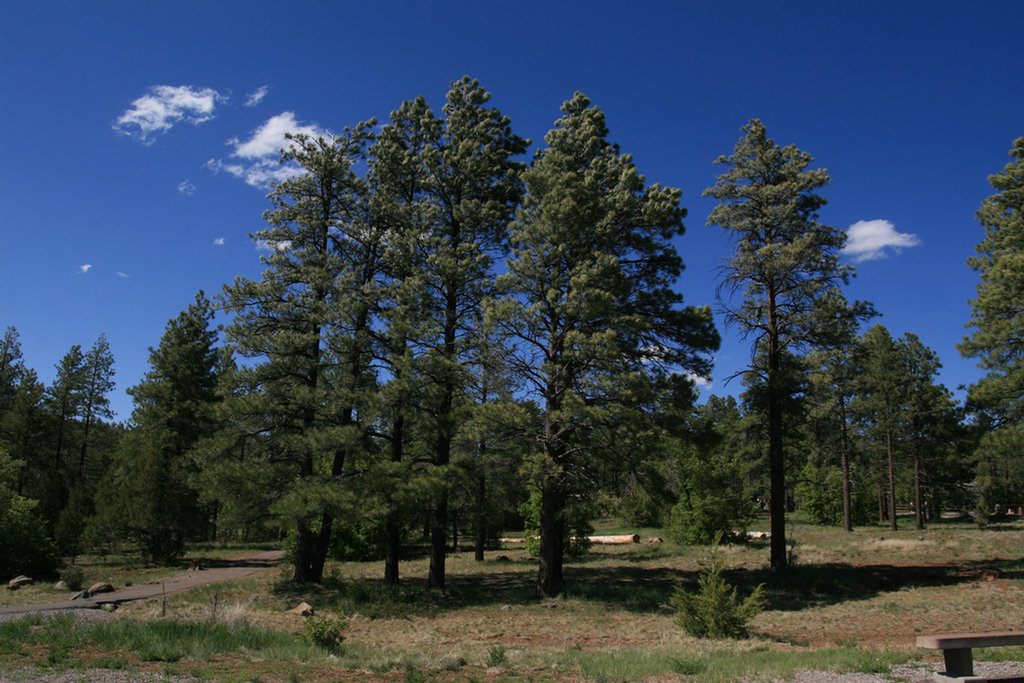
715 610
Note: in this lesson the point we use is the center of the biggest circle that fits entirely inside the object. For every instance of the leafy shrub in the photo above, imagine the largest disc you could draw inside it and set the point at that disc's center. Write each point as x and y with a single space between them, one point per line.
327 631
24 546
715 611
74 577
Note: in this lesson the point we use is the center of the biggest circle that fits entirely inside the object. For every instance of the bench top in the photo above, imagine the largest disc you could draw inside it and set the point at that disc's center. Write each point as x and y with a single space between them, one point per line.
954 641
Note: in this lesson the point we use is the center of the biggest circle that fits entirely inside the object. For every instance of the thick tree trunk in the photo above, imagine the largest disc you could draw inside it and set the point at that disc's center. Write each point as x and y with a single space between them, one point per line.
438 542
776 449
392 550
303 553
550 580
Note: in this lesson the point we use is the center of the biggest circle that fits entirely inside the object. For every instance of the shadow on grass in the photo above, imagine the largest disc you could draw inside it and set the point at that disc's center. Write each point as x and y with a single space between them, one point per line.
637 588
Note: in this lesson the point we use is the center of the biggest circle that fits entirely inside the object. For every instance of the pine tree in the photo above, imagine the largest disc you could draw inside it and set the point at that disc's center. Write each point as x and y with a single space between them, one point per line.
300 323
784 265
589 307
154 500
998 311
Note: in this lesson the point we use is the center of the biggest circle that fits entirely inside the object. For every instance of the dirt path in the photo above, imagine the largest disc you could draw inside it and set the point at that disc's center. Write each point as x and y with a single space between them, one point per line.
229 570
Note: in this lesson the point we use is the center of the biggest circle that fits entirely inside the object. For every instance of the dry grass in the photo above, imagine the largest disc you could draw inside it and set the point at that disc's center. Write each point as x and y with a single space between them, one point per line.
871 591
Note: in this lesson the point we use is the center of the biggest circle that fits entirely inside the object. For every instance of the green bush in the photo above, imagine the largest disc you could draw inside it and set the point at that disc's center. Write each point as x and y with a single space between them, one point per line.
24 546
328 631
715 611
74 577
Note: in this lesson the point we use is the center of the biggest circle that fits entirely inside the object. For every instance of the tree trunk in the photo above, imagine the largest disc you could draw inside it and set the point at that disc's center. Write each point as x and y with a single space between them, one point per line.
892 479
844 451
481 520
776 452
918 507
552 539
303 553
392 550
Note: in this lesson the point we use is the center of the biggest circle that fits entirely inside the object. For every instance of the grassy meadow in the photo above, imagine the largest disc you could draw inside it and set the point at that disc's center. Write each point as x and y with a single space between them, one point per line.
852 602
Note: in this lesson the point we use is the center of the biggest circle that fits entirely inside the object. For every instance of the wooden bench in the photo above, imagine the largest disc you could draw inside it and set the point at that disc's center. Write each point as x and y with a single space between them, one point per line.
956 650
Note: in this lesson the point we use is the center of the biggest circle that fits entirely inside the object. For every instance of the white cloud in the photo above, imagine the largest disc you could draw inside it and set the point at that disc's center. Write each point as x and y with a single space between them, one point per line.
269 140
164 106
257 160
257 96
703 383
273 245
123 276
219 242
872 240
187 188
83 269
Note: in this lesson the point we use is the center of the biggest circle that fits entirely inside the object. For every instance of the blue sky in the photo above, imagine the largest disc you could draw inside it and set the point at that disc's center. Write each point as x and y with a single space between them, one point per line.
136 136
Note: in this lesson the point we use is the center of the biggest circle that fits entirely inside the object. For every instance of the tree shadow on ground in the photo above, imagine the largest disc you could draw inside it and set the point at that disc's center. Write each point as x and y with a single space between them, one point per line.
802 587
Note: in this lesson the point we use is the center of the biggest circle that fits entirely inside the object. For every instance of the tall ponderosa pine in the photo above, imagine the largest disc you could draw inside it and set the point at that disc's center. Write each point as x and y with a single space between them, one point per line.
784 264
154 501
291 412
589 306
998 321
882 394
460 184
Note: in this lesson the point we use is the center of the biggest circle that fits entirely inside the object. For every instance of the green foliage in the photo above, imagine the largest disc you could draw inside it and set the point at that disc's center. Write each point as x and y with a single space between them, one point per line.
711 462
153 501
820 494
578 529
786 267
715 610
326 631
25 547
497 656
997 315
73 576
589 306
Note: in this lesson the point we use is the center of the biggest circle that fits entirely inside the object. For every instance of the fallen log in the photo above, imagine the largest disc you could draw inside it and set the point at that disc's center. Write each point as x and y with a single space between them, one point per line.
622 539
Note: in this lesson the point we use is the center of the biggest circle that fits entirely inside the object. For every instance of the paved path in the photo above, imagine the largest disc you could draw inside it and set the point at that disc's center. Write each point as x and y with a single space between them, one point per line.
237 568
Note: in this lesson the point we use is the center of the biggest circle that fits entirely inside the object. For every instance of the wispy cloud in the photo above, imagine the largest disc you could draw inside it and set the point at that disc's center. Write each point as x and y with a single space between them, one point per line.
187 188
873 240
273 245
85 268
122 275
256 160
257 96
164 106
219 242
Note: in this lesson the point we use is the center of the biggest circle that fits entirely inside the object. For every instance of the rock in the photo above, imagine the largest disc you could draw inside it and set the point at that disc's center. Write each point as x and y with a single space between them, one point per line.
109 606
506 608
80 595
303 610
100 587
19 581
503 558
61 586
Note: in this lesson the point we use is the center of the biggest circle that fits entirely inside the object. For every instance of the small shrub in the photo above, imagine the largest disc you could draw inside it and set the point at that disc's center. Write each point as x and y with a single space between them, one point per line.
715 611
328 631
74 577
497 656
